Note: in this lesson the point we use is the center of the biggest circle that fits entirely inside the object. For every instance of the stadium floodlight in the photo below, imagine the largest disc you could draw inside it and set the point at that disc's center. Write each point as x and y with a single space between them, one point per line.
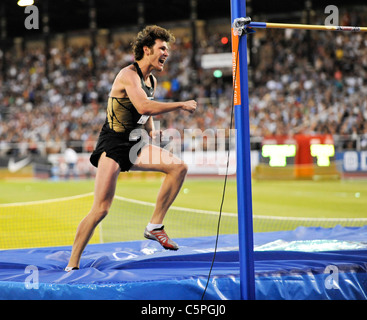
25 3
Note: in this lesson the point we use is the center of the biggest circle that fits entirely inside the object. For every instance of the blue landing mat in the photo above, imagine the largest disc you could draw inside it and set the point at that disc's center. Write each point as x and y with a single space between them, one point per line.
309 263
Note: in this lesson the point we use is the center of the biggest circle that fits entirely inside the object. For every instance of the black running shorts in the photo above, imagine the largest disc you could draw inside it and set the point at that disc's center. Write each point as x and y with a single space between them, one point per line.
119 148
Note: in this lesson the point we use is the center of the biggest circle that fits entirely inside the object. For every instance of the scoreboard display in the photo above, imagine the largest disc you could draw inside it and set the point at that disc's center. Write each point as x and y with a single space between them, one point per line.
301 156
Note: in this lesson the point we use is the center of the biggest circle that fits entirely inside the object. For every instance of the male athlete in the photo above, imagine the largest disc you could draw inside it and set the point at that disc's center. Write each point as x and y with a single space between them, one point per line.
131 106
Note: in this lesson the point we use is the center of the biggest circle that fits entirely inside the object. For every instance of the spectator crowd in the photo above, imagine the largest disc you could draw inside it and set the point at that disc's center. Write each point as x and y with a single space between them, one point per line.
299 83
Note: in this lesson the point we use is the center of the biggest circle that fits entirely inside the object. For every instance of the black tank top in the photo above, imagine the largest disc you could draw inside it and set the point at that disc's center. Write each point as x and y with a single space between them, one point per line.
122 116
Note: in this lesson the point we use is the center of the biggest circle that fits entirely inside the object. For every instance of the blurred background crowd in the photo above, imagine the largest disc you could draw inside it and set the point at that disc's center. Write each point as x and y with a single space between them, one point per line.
300 82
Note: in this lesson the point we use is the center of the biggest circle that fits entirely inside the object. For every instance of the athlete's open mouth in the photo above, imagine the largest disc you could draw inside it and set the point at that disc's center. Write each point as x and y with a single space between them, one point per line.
161 61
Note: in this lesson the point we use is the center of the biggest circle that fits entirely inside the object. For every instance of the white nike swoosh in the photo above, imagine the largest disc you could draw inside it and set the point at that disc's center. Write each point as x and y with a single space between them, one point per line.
16 166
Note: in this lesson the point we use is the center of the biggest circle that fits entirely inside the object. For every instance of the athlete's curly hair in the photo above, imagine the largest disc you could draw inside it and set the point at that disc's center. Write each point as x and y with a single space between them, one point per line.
147 37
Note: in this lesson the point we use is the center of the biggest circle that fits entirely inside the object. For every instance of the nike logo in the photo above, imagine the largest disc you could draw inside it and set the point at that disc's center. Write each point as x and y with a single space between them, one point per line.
16 166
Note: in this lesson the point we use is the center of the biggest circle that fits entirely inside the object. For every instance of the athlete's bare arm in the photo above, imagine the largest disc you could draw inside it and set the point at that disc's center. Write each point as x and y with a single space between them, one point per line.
127 84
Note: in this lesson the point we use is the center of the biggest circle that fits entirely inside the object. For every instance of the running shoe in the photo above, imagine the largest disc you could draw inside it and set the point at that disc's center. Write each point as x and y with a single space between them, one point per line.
161 236
68 269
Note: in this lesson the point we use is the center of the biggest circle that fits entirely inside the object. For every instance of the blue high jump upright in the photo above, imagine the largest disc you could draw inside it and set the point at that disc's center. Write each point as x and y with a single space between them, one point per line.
244 189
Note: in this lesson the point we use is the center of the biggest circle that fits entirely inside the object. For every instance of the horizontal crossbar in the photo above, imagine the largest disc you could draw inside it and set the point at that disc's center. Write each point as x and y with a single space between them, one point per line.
270 25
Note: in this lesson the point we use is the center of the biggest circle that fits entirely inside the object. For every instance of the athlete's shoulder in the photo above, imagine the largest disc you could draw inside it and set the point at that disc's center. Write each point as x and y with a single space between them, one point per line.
126 77
129 70
128 74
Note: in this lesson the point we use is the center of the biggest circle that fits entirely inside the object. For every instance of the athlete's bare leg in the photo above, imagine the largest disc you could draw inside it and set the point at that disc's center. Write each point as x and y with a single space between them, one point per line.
104 191
153 158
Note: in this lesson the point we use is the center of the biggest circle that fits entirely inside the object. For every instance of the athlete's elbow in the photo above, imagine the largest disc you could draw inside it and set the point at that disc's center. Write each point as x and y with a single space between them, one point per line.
144 109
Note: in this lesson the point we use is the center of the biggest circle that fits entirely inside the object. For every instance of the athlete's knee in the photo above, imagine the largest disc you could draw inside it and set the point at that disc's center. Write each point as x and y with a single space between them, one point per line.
181 169
99 212
102 214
